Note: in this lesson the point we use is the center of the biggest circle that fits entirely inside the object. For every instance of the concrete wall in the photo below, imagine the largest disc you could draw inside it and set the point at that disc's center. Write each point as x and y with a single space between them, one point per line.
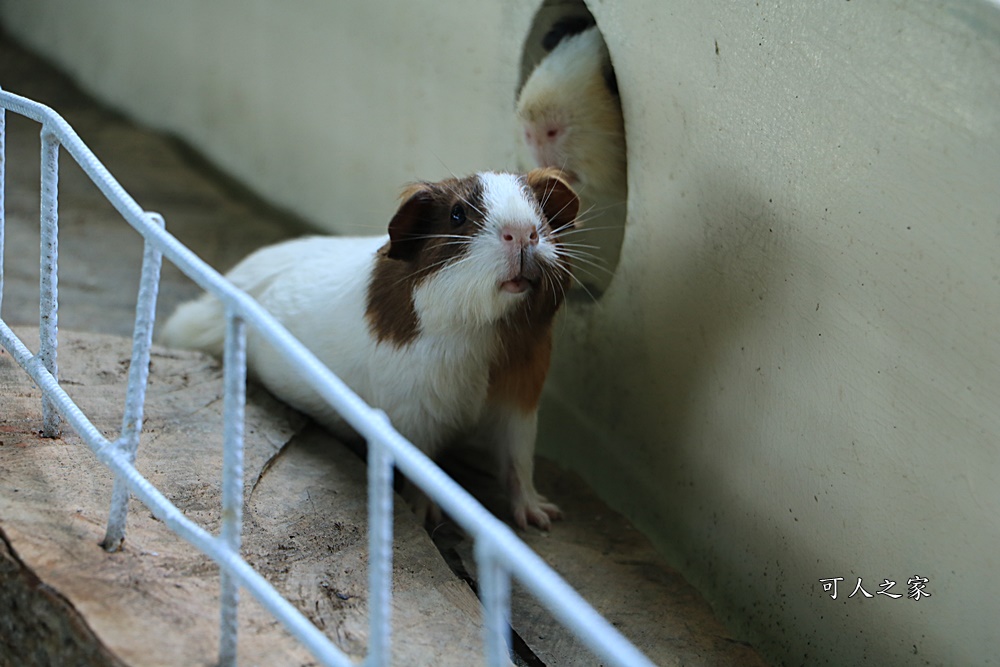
795 373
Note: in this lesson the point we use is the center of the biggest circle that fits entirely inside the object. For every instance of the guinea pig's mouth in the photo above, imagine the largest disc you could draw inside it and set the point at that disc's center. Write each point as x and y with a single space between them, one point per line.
517 285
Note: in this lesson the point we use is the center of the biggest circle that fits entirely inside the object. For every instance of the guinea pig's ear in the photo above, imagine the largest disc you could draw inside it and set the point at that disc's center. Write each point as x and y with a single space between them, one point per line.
558 200
408 228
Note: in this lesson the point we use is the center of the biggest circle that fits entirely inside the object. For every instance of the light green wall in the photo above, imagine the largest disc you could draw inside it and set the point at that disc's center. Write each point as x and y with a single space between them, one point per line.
795 373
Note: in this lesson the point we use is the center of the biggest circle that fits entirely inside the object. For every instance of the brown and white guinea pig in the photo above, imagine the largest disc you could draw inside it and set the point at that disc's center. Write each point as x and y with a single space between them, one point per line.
571 114
445 323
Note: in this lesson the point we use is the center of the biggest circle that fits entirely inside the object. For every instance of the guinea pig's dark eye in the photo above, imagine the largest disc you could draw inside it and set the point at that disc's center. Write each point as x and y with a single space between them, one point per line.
457 215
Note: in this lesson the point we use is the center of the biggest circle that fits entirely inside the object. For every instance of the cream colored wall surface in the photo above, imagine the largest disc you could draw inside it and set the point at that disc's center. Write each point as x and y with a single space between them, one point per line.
795 373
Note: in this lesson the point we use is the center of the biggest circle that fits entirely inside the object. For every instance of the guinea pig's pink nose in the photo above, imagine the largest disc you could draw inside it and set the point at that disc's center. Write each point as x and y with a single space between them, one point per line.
520 236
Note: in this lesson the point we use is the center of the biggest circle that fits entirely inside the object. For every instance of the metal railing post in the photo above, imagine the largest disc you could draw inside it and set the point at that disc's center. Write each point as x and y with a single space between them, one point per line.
48 326
234 368
138 376
3 188
380 508
494 591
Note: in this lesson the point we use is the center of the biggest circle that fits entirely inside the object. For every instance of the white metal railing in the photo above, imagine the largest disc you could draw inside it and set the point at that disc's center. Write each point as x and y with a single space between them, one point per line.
498 551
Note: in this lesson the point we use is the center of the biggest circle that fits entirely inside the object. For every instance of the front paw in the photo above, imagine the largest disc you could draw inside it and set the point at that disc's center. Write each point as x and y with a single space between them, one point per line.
537 512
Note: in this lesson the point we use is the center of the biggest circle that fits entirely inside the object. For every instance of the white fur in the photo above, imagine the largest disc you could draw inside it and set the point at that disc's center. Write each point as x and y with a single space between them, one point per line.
433 388
317 288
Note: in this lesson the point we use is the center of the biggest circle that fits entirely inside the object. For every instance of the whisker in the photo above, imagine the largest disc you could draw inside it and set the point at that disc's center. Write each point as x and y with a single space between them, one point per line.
584 230
463 260
573 245
465 201
585 265
577 247
446 167
611 204
564 207
591 269
458 238
594 210
584 217
583 257
582 286
579 252
432 267
564 285
599 205
427 269
556 288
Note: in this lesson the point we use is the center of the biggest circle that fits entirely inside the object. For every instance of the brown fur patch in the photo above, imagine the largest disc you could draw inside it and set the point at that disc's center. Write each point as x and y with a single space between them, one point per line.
518 374
525 350
390 312
423 238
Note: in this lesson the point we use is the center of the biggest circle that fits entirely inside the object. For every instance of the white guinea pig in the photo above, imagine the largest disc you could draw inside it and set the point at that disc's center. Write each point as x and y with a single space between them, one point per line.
571 114
445 324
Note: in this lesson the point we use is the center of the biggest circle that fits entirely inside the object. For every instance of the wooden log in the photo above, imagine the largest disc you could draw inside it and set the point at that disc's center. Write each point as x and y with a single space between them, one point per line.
156 602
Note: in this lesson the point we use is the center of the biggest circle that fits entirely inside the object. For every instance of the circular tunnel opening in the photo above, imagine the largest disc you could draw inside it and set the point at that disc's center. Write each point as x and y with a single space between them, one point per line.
570 116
